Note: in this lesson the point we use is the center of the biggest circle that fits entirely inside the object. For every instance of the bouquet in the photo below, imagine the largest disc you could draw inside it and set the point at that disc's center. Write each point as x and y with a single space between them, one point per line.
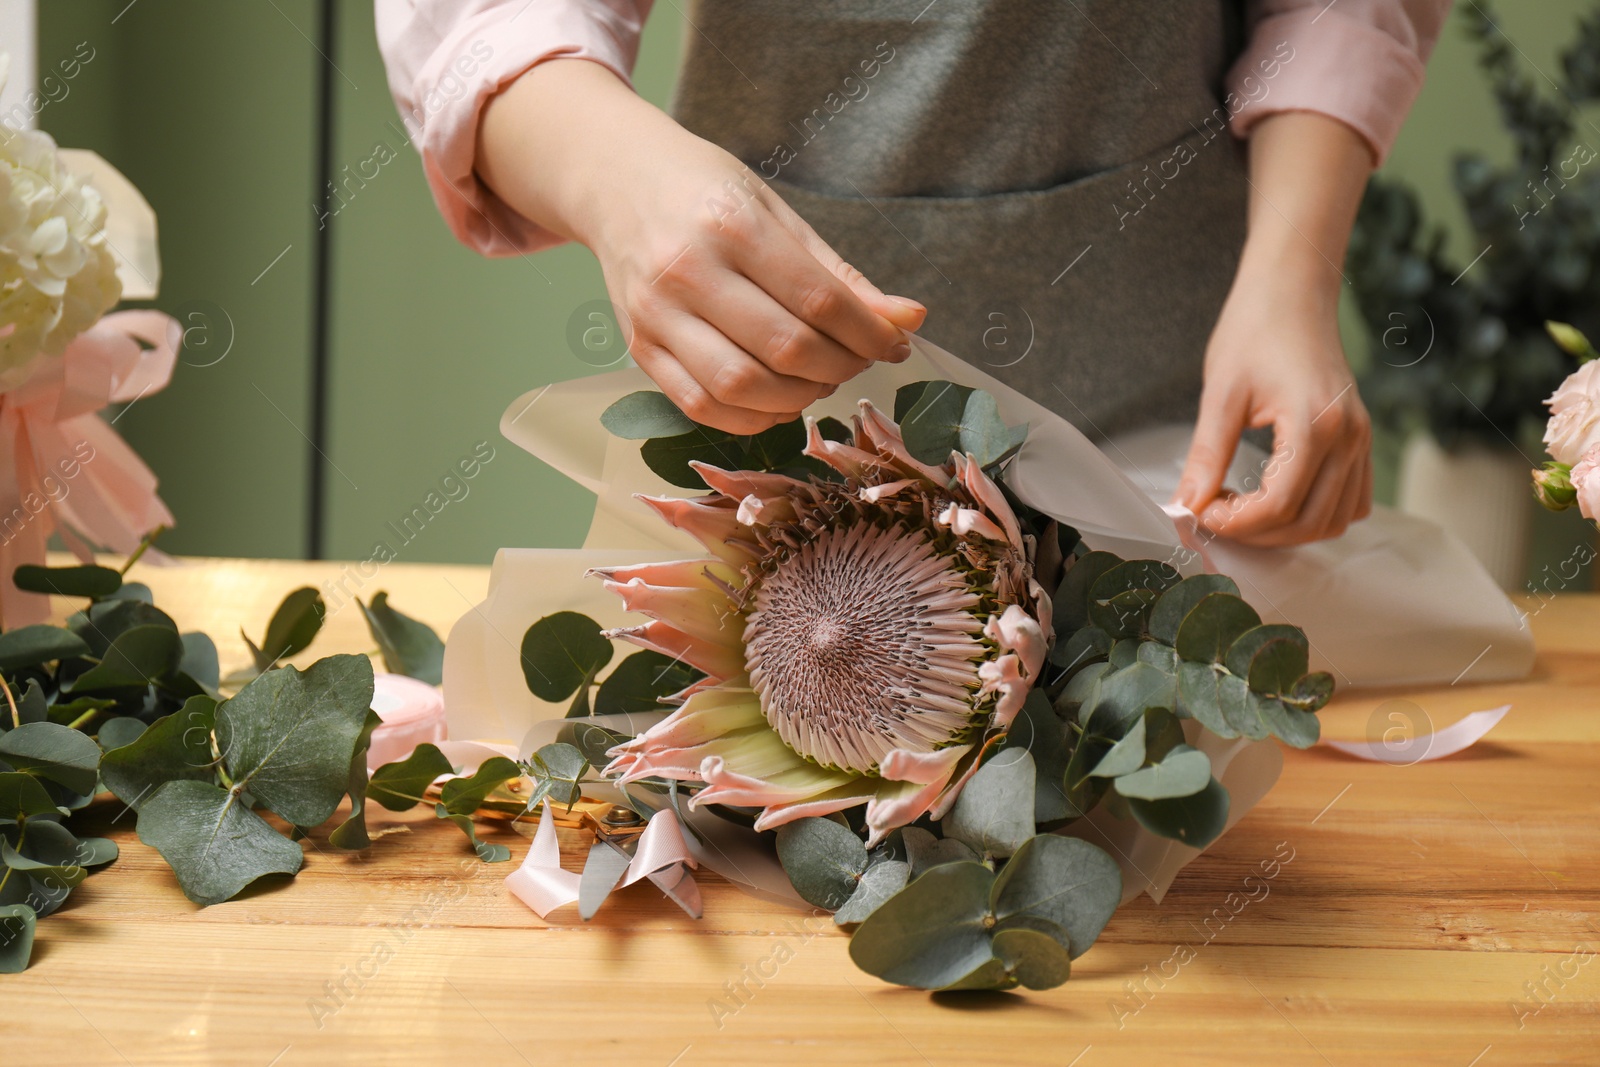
1572 436
915 681
64 470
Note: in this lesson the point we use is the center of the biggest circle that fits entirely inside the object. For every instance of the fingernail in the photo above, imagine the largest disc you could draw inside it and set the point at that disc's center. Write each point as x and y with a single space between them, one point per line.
899 353
906 301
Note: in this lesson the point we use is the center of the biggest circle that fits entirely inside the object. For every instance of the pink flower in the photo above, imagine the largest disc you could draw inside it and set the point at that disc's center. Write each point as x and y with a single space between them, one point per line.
1574 426
1586 479
863 638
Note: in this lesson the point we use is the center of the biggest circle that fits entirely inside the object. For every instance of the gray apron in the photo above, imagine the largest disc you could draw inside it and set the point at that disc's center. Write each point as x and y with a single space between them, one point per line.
1053 180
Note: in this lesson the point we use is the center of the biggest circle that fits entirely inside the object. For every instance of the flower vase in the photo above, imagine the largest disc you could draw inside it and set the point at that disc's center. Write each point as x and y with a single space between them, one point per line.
1476 492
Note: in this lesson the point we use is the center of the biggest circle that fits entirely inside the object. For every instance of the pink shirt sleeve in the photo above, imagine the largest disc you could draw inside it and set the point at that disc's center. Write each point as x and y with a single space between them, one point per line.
447 58
1359 61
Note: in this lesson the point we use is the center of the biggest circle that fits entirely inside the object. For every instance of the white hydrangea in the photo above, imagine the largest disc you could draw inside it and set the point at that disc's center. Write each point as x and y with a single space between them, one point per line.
57 274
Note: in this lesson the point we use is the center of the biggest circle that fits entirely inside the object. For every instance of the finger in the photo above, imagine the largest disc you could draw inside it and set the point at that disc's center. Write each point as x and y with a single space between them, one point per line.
730 374
900 311
1216 437
1364 501
1290 475
1319 514
764 328
692 399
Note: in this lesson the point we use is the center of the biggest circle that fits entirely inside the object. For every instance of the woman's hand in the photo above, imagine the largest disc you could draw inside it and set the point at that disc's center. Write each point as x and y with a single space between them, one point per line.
1275 357
728 299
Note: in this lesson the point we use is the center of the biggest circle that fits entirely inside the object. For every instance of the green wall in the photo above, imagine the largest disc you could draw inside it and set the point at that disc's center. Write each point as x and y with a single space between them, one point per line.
212 109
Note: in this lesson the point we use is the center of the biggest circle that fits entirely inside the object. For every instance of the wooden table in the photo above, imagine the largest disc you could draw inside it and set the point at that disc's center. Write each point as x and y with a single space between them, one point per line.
1444 913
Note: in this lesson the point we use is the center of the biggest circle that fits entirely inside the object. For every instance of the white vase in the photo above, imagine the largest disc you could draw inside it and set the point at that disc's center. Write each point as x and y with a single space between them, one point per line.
1478 493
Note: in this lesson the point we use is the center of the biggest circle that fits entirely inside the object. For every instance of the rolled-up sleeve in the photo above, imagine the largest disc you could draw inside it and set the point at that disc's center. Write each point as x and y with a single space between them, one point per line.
1358 61
447 58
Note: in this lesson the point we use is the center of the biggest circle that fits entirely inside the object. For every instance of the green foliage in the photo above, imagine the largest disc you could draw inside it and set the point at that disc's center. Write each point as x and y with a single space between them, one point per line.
938 418
291 630
1459 348
645 414
408 647
561 655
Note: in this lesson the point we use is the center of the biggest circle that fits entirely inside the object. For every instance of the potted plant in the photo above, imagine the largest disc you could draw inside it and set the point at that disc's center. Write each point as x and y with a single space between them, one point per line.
1461 363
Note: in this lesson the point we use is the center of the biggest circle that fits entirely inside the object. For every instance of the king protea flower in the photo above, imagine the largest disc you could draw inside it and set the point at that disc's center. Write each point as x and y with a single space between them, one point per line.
861 639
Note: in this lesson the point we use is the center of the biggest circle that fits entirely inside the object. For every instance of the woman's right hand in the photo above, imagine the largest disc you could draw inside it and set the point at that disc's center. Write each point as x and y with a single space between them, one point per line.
728 299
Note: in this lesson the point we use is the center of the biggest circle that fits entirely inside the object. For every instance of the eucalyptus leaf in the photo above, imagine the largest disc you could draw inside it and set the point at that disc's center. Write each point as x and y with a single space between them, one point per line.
175 747
932 428
408 647
824 861
1275 667
1195 820
776 446
293 627
1247 644
488 852
22 795
88 580
925 852
17 922
1211 697
933 932
994 812
1071 601
1180 599
400 786
670 456
1038 729
1036 960
562 653
53 844
1212 626
29 646
1085 646
63 755
119 731
1184 772
289 735
557 769
101 624
463 796
1126 756
213 842
139 656
878 883
1068 882
645 414
983 434
64 876
200 661
352 833
638 684
1126 693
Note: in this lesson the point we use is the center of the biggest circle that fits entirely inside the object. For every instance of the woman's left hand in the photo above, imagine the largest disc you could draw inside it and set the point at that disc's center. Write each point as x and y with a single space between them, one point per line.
1275 357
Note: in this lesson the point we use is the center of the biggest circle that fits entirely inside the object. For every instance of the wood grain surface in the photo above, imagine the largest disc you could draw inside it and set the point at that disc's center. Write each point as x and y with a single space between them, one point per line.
1444 913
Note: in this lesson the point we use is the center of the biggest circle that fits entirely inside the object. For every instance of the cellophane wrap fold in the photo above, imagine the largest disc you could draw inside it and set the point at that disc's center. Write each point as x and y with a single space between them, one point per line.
1395 601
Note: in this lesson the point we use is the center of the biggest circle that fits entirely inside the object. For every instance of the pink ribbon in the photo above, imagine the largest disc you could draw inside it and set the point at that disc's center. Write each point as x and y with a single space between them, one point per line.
63 468
412 712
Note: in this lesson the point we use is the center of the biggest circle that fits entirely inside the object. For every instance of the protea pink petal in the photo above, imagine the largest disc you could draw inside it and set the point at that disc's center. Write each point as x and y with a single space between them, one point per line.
710 617
985 492
952 791
711 522
709 574
903 765
967 521
884 435
739 484
846 796
1014 630
847 460
898 804
884 490
705 716
801 781
754 747
1003 675
754 510
710 657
